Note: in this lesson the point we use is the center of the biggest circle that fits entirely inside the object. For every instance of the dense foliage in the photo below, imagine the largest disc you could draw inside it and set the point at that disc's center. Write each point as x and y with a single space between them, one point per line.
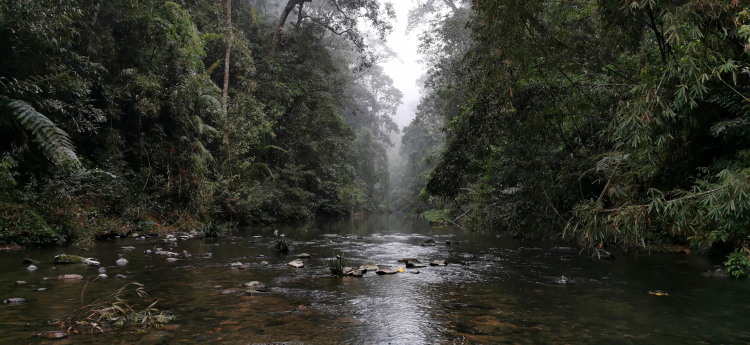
113 118
607 122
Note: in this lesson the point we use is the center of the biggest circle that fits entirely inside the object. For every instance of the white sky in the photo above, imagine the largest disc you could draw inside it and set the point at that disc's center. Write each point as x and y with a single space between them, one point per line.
406 70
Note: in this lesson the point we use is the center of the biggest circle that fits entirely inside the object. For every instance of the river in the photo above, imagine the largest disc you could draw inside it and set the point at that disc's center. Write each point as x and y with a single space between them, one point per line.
493 290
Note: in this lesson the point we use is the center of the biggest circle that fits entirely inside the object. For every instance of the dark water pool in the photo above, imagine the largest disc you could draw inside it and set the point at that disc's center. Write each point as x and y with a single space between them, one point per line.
494 290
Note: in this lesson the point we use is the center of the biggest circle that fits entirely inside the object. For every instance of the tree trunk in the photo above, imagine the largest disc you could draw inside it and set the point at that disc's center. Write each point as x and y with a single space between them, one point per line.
284 15
299 14
451 5
225 94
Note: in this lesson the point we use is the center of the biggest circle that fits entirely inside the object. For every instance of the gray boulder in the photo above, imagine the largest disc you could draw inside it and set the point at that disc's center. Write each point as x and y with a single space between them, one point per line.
385 270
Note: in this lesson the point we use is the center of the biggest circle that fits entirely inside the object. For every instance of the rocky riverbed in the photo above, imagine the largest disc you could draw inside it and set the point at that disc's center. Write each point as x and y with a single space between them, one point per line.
470 288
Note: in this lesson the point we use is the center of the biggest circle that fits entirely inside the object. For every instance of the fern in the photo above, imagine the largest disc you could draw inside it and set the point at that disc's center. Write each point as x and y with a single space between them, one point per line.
54 142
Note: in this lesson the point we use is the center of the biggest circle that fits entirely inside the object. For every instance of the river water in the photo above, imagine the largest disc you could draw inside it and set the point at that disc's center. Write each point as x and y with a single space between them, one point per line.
494 290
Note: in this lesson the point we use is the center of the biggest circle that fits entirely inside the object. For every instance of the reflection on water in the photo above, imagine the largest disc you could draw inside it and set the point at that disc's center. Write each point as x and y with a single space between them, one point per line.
494 290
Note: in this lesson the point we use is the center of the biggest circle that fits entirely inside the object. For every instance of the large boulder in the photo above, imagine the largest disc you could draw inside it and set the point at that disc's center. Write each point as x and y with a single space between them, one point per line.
66 259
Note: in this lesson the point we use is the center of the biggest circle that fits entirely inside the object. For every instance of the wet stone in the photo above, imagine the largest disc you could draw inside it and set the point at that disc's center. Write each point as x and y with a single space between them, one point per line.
103 276
70 277
563 281
31 268
65 259
296 263
235 264
414 263
428 243
120 276
370 267
14 300
437 263
716 273
256 286
31 261
385 270
20 282
54 335
304 256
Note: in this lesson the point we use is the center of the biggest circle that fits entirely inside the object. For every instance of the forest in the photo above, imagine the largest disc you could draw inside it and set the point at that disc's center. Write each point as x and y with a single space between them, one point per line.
596 121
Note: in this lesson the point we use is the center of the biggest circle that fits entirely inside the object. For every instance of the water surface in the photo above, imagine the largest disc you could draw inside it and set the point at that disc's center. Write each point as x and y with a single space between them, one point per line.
494 290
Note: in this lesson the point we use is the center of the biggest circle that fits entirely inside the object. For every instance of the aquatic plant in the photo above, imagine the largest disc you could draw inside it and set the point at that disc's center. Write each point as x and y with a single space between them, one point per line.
283 244
336 265
113 310
209 231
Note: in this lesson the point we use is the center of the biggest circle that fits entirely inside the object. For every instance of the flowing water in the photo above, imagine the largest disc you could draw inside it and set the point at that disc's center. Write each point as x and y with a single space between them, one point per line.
494 290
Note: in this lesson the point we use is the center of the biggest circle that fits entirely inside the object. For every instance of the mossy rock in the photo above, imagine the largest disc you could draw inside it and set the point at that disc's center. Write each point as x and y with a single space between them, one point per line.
31 261
65 259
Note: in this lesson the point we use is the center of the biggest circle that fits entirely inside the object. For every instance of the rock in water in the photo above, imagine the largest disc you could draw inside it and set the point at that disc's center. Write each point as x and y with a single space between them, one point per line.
414 263
428 243
31 268
102 270
256 286
171 259
437 263
54 335
297 263
601 254
121 262
564 280
14 301
20 282
715 273
65 259
356 272
304 256
369 267
70 277
91 261
128 248
384 270
236 264
103 276
414 271
31 261
120 276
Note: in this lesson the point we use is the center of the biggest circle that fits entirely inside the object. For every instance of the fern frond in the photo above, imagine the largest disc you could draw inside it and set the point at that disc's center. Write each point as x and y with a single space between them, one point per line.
55 143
